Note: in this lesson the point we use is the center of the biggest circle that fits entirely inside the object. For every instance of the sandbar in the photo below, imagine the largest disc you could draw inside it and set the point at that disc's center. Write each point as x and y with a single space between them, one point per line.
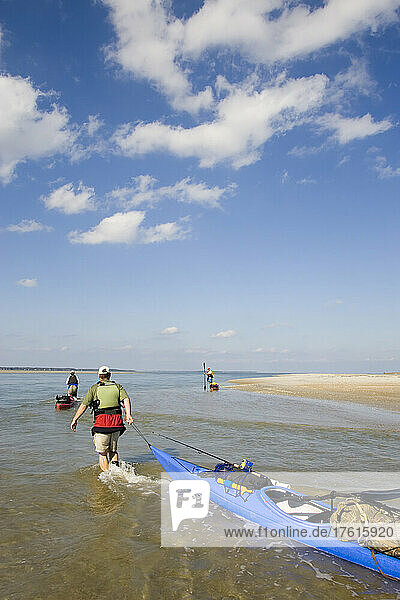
382 390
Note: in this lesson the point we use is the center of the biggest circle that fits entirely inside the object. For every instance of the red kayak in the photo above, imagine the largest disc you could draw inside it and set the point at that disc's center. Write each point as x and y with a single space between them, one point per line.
64 402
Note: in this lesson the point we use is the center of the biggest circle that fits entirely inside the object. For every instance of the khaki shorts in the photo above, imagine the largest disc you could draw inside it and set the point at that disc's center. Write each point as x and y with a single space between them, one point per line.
106 442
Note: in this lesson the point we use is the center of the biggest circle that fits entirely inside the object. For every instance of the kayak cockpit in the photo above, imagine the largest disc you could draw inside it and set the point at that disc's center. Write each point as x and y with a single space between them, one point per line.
292 504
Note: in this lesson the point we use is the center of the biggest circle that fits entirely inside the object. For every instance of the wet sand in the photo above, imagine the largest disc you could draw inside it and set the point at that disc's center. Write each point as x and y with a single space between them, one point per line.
382 391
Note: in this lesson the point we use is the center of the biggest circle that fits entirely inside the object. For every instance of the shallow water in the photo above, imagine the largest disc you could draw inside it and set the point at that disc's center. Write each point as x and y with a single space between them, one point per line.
68 534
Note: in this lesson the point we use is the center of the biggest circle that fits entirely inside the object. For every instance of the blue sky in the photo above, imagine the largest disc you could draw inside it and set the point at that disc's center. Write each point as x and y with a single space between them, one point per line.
187 181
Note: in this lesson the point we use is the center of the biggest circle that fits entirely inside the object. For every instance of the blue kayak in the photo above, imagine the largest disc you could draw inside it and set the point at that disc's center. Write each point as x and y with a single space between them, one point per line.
252 497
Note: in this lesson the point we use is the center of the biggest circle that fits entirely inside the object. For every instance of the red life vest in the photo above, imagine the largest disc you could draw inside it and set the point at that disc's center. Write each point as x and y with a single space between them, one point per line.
108 420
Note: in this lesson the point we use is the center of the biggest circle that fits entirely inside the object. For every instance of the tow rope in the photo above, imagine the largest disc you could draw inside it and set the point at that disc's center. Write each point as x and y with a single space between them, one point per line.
379 569
245 465
136 428
196 449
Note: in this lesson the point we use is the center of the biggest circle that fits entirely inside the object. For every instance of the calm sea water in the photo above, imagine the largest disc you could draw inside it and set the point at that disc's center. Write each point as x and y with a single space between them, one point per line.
68 534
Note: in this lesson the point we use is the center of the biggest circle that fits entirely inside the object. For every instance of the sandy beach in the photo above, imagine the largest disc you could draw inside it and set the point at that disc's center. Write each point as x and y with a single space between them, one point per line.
375 390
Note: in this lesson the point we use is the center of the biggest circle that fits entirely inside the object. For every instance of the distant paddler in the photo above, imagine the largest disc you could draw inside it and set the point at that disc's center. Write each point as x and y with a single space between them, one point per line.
106 398
210 376
72 383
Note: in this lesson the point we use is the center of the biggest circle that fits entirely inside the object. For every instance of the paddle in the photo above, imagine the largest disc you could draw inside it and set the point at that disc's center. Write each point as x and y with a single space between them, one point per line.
204 376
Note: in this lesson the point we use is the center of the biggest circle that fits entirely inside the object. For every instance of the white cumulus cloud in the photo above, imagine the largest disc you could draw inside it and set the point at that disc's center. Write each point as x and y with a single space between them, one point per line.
385 170
140 193
170 331
27 226
148 45
224 334
302 151
28 282
166 232
246 119
125 228
294 31
94 124
355 79
347 129
69 199
153 44
199 193
26 131
120 228
144 191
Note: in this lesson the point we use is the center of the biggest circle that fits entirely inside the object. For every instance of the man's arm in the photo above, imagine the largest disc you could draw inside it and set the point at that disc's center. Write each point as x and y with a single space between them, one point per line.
127 406
81 409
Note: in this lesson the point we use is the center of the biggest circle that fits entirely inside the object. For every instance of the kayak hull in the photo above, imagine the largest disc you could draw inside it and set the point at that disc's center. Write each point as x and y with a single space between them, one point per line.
260 509
64 402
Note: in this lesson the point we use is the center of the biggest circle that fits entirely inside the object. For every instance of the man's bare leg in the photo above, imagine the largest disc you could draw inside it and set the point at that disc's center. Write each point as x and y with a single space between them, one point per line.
103 461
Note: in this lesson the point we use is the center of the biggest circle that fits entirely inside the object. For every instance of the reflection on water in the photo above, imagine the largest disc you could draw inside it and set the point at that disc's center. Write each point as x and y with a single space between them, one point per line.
67 533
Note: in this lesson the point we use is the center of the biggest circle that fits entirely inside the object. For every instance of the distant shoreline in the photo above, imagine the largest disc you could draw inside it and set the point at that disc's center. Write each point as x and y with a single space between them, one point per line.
382 391
50 371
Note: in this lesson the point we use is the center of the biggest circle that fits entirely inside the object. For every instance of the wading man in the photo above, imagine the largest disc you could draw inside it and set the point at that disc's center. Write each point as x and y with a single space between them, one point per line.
106 398
72 383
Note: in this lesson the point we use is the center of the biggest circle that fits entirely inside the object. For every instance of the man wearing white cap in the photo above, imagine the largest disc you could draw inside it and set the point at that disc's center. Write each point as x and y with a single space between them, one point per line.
106 398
